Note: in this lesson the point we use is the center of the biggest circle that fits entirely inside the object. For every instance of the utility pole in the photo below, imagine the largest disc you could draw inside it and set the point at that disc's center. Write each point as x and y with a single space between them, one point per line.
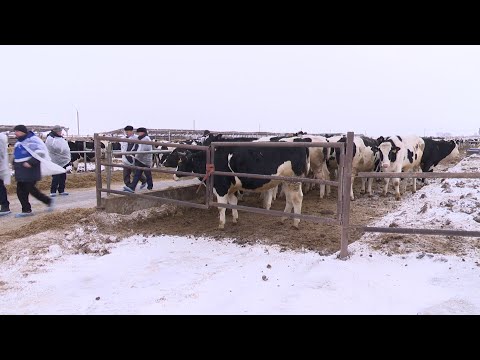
78 123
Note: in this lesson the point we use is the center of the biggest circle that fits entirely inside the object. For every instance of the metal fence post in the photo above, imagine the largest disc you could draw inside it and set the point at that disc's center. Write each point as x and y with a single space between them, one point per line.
85 156
346 186
109 168
98 170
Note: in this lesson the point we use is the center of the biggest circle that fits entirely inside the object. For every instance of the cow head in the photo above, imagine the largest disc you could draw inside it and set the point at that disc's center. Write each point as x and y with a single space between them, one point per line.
387 152
190 162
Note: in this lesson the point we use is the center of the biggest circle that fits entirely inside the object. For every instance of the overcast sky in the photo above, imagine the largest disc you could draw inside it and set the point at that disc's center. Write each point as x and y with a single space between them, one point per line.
377 90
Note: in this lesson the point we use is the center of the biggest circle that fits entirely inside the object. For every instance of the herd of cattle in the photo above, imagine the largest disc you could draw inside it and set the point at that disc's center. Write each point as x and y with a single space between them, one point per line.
390 154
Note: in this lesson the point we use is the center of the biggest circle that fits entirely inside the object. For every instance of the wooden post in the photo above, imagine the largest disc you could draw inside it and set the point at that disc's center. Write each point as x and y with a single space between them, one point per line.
108 168
98 169
346 186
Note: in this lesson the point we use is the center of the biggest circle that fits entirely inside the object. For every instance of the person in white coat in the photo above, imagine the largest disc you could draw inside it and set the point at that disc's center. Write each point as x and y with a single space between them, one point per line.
5 175
60 154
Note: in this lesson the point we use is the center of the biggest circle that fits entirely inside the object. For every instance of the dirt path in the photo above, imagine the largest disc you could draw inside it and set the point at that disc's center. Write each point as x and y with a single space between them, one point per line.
77 199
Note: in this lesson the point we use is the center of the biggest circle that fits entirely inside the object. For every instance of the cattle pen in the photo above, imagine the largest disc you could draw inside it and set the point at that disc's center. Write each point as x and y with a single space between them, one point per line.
343 183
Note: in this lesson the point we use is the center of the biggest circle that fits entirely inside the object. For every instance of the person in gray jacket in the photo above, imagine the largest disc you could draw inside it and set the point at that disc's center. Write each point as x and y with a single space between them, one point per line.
130 159
60 153
143 160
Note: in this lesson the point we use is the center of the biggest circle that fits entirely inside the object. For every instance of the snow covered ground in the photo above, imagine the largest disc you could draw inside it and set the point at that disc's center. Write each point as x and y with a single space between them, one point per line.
179 275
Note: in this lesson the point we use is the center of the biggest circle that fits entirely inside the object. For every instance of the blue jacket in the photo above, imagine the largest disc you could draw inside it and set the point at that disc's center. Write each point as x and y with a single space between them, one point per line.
21 155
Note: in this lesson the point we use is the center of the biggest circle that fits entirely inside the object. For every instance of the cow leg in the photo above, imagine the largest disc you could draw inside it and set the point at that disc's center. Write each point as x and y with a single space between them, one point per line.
267 198
396 184
385 189
274 192
331 176
75 166
364 181
294 199
370 182
233 200
324 174
352 197
403 182
221 210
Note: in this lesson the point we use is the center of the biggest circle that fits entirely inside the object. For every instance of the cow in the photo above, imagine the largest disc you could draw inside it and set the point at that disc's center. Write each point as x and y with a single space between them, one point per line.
436 151
365 159
76 158
253 160
399 154
171 160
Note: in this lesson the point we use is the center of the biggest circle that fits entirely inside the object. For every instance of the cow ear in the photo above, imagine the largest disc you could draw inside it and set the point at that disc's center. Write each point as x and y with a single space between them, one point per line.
380 139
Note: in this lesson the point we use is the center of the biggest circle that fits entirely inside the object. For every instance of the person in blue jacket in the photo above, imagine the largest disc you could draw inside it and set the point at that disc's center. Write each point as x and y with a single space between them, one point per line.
27 169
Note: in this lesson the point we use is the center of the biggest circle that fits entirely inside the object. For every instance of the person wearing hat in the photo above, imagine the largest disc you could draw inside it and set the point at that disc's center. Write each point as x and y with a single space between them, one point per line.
142 160
4 175
60 154
129 160
28 149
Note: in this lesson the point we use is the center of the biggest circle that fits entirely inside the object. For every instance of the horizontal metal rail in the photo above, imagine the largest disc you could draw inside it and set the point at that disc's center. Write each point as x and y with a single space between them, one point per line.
134 141
445 175
277 144
275 177
160 199
278 213
152 169
119 152
413 231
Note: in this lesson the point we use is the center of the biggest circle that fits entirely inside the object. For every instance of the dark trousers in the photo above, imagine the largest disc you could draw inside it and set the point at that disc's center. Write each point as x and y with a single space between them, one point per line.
138 174
58 182
26 188
127 179
3 196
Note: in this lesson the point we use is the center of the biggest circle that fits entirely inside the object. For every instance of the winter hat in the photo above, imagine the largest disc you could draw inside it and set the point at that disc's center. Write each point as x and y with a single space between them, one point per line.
141 129
128 128
57 128
21 128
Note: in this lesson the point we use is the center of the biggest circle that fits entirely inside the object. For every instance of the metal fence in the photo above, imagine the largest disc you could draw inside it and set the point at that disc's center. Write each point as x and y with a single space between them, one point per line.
343 183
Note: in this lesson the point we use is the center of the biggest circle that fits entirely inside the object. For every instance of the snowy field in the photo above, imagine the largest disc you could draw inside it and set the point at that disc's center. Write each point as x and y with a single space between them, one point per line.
179 275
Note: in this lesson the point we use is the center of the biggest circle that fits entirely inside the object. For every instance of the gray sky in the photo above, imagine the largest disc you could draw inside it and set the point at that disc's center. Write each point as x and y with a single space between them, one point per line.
377 90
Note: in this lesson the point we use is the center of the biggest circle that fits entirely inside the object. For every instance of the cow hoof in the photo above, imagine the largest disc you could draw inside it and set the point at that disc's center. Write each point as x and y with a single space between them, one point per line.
295 227
234 222
221 227
370 195
352 198
397 197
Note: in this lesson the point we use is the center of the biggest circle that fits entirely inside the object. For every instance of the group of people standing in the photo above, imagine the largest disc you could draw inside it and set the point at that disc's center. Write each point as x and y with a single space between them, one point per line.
33 159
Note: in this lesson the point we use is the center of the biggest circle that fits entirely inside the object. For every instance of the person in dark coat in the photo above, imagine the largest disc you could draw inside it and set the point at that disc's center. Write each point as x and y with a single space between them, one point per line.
27 170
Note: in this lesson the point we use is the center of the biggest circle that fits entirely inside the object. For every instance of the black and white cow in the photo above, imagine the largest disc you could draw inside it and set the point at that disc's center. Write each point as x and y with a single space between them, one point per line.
365 159
76 158
436 151
254 160
171 160
399 154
